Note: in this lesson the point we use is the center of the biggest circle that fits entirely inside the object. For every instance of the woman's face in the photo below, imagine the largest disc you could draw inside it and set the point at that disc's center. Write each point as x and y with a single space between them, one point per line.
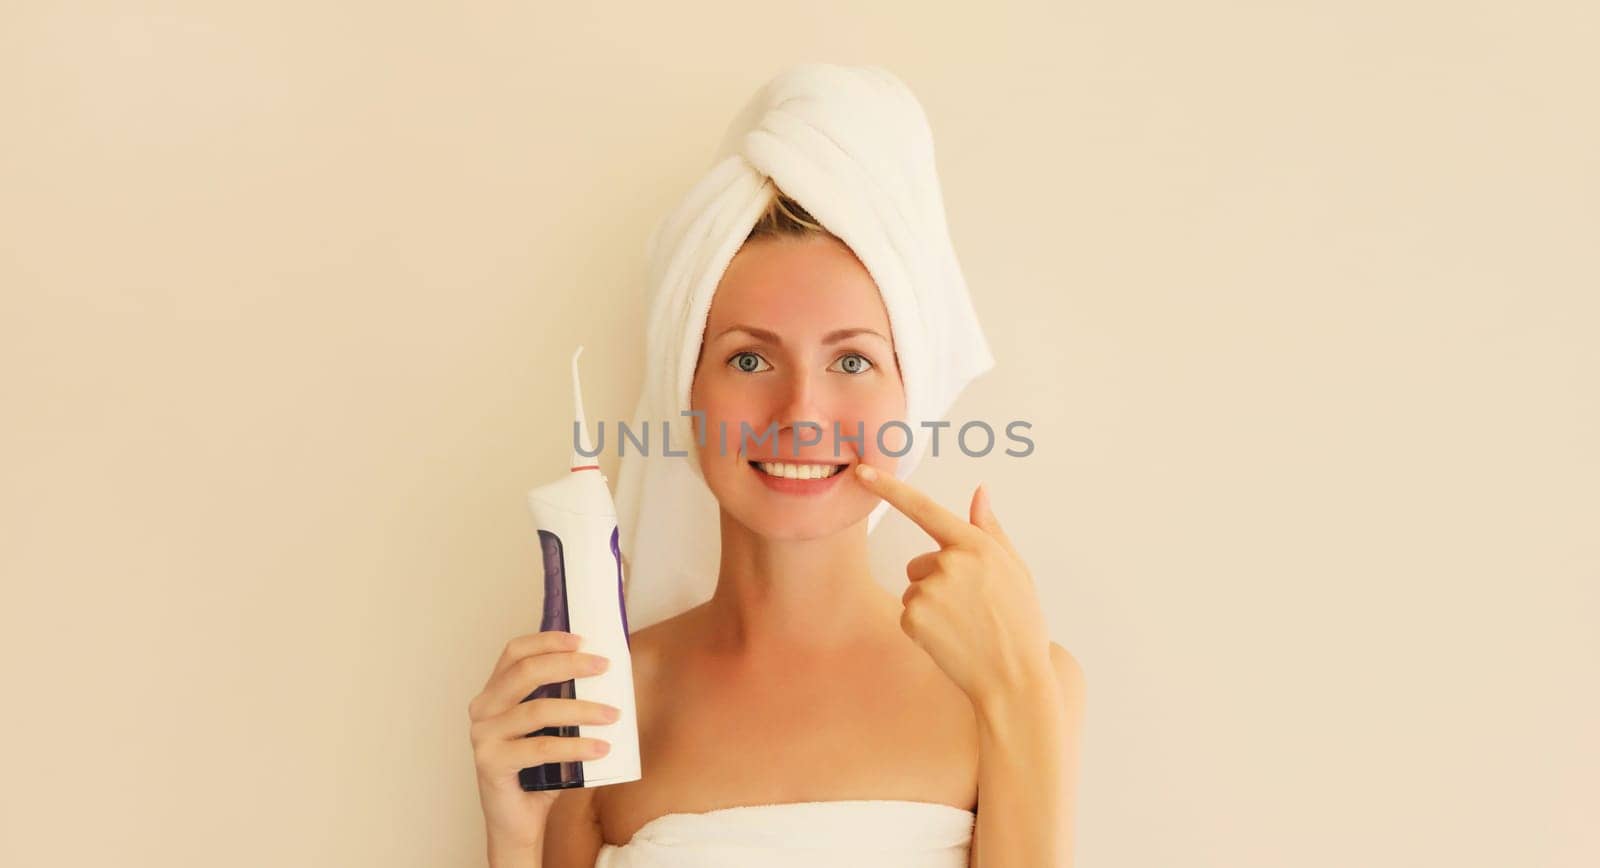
797 332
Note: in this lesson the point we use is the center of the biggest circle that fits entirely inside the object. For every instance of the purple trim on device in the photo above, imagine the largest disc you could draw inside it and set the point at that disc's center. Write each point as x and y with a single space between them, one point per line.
622 607
556 775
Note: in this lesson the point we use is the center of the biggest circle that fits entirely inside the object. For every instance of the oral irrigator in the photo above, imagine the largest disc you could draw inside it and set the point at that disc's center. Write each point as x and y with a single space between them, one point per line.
577 523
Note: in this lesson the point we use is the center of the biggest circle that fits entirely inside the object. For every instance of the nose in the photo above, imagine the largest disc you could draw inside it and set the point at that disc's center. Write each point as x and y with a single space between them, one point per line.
801 403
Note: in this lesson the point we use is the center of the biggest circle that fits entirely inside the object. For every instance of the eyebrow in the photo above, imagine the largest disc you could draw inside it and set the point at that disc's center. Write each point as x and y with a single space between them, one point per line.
832 337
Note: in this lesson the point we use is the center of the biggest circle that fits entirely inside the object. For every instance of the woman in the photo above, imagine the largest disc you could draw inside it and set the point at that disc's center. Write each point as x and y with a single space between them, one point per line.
802 713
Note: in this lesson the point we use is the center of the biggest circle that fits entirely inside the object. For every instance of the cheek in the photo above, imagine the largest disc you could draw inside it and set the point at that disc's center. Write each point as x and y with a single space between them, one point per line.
727 410
876 413
708 394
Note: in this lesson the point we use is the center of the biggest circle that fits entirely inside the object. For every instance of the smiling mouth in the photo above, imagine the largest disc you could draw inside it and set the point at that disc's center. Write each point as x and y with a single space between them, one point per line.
790 470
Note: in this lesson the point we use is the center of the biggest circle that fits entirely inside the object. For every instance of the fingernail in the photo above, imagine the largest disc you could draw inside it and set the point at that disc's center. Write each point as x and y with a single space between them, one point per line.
598 664
865 472
611 713
598 747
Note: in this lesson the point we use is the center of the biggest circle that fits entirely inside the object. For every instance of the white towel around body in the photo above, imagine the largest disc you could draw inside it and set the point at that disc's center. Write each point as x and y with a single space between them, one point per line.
864 833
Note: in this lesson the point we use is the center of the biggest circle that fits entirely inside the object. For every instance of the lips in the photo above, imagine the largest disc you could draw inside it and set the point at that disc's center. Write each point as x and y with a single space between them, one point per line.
799 469
801 477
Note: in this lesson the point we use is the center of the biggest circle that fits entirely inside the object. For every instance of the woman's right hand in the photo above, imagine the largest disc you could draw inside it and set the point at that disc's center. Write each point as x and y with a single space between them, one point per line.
514 819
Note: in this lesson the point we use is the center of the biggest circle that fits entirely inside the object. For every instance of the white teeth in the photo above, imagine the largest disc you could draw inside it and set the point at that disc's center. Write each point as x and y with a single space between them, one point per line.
797 471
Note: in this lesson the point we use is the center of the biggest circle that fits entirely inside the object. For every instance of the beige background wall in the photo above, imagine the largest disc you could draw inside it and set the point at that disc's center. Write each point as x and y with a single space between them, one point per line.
1300 299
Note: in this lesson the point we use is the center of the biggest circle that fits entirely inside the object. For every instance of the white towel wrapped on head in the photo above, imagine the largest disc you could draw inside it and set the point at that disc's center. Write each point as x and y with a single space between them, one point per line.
852 145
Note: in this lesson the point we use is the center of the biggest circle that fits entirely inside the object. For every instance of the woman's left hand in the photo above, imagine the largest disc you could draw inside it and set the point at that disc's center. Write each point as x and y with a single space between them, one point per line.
971 604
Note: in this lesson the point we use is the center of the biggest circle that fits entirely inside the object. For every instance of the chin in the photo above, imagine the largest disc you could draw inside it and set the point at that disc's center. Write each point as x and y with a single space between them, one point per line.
780 527
787 518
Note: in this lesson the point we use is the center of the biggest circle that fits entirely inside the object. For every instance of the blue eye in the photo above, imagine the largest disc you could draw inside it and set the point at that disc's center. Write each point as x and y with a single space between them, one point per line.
857 367
741 364
852 363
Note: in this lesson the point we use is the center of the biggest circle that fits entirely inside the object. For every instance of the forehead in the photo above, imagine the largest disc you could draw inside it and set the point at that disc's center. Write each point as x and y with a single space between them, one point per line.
796 286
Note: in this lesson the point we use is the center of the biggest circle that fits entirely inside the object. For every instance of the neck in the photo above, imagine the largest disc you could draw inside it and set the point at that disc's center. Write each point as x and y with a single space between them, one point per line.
778 597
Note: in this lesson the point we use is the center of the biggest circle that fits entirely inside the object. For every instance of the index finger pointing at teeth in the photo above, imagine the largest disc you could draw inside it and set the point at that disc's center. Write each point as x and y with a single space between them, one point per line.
943 525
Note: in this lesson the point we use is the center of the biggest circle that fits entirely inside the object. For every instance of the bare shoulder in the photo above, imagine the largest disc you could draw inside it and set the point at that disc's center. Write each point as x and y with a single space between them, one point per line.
1069 673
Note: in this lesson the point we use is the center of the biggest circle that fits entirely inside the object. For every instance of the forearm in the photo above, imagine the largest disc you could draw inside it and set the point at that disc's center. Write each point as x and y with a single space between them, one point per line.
507 856
1026 772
